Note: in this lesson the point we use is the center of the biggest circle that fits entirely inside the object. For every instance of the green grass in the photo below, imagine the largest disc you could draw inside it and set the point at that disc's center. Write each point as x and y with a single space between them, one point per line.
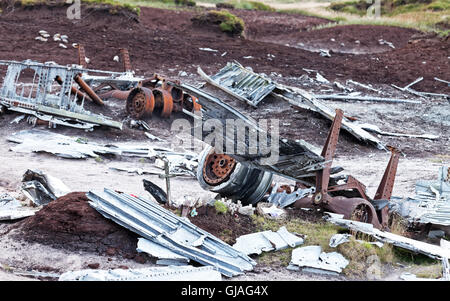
227 22
424 15
115 4
251 5
220 207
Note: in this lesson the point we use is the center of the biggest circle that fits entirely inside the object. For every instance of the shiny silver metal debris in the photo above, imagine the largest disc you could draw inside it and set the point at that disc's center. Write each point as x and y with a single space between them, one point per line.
170 273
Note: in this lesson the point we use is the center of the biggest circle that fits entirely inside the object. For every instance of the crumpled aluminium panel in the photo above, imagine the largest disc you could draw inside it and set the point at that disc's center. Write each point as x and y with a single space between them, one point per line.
42 188
170 273
313 257
241 82
162 227
284 199
256 243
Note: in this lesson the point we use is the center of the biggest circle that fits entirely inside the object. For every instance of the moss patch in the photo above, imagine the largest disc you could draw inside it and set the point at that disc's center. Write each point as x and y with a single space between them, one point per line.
226 21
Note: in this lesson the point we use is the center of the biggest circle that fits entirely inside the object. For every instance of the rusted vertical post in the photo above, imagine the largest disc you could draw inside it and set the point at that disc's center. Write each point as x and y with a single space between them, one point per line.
125 59
81 56
323 176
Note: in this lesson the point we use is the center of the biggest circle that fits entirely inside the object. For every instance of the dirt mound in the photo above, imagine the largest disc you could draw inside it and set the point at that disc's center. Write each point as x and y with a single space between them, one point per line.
224 226
69 222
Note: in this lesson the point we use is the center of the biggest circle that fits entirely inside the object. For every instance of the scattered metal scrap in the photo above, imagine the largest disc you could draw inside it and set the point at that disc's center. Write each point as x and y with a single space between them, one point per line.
376 129
79 148
170 273
57 104
222 174
338 239
295 157
431 204
162 227
256 243
246 91
433 251
164 255
366 98
159 194
143 95
408 88
42 188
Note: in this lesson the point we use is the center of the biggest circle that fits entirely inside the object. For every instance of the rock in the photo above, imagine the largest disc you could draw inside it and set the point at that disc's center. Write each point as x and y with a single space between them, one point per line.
94 265
374 271
140 259
111 251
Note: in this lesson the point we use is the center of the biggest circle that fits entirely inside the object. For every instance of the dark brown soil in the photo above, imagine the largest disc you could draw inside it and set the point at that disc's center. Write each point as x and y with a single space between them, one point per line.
167 39
69 222
224 226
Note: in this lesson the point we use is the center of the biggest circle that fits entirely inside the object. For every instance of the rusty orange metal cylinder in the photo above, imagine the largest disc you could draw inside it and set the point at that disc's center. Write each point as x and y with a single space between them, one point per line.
118 94
163 100
88 90
140 102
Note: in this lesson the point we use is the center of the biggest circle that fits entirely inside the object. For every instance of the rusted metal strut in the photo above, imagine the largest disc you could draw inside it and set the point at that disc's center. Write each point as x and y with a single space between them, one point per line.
350 199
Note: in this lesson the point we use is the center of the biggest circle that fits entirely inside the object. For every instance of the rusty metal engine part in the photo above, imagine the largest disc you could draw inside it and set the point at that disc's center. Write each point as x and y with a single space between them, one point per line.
350 198
224 175
140 103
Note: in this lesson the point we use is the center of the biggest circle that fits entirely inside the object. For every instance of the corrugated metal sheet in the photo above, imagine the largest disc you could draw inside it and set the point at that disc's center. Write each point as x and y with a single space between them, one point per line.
168 230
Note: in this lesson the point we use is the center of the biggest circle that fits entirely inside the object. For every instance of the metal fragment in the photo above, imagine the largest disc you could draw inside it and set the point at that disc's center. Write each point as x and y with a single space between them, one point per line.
240 82
42 188
313 257
338 239
170 273
366 98
256 243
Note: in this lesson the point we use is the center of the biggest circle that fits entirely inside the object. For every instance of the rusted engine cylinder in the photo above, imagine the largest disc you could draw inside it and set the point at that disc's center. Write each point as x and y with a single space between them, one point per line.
222 174
140 102
163 101
117 94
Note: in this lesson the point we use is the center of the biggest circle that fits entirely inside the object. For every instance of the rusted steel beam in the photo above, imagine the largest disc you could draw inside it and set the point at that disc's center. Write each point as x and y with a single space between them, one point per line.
88 90
125 60
81 56
384 191
73 89
323 176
